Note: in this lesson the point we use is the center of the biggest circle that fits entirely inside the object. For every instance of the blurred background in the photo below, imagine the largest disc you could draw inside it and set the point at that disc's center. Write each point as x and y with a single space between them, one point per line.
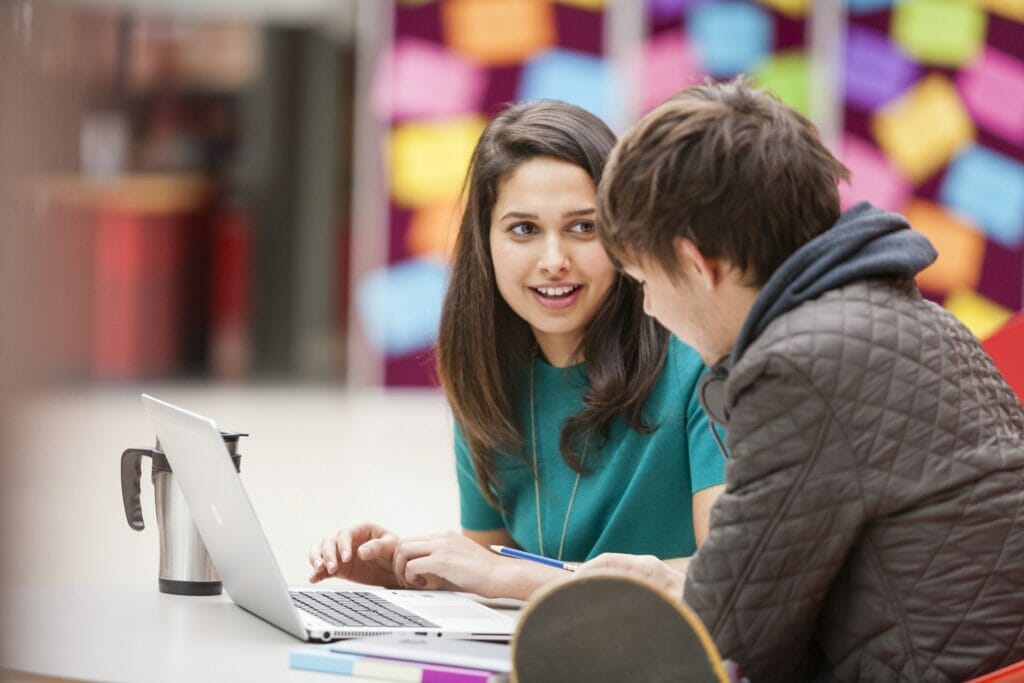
220 198
245 190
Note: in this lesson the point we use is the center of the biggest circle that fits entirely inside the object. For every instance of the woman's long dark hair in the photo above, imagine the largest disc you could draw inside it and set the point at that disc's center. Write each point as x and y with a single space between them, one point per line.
484 349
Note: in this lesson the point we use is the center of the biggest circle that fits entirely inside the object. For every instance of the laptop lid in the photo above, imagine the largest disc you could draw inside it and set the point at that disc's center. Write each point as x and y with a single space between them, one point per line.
224 514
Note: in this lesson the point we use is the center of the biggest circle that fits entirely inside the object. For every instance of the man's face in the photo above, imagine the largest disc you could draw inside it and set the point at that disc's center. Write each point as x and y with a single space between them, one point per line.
683 306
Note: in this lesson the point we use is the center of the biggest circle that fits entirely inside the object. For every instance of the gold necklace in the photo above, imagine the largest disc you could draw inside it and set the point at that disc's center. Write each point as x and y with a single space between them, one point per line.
536 475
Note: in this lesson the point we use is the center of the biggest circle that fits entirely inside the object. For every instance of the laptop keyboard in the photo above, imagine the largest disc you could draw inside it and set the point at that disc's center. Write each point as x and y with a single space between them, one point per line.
357 608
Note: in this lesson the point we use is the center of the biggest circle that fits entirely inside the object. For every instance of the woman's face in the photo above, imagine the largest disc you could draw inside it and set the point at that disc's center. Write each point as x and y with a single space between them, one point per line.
548 263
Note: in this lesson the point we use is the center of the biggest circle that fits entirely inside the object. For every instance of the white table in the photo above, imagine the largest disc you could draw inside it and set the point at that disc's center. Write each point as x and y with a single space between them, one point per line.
78 593
132 632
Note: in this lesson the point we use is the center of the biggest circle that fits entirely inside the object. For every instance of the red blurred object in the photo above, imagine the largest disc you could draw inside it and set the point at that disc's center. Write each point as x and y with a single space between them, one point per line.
230 303
138 303
1010 674
1007 350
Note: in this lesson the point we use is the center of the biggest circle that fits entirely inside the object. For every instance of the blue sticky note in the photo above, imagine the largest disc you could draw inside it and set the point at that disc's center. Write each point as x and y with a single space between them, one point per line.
400 306
573 77
863 6
989 188
730 37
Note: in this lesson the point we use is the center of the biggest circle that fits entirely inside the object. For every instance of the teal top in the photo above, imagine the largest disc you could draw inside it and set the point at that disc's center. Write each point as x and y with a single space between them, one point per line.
635 497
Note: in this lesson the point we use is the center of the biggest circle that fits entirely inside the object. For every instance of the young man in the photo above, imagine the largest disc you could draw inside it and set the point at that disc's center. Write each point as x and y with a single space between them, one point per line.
872 525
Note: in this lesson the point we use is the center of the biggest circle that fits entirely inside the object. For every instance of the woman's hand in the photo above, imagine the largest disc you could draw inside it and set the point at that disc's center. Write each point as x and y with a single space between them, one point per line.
363 553
450 561
645 567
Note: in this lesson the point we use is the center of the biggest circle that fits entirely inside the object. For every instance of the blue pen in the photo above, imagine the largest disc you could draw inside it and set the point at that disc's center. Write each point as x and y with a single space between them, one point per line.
523 555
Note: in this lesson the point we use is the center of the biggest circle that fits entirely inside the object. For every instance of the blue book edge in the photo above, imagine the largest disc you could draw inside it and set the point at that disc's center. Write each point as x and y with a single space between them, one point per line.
321 659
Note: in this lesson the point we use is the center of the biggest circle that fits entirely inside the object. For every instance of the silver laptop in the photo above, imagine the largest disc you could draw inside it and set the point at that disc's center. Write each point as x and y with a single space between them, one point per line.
250 574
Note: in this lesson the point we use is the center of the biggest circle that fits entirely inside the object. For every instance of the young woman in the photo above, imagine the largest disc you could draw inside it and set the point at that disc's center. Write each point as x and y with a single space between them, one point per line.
578 430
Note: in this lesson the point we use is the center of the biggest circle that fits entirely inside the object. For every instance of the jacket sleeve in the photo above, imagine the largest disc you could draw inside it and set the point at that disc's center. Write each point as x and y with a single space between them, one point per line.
780 532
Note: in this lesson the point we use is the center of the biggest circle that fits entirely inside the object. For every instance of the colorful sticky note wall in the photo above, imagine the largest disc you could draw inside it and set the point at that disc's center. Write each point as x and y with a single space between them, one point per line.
400 306
429 160
988 187
433 229
421 79
923 129
877 70
993 88
960 245
730 37
585 4
980 315
1005 348
573 77
791 8
1012 9
862 6
940 32
668 64
872 177
788 75
498 32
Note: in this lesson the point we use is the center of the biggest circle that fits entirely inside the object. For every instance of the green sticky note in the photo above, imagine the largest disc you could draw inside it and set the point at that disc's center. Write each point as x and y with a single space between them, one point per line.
941 32
788 75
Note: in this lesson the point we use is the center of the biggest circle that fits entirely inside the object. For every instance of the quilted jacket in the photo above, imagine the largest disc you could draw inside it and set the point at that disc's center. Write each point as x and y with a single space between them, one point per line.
872 525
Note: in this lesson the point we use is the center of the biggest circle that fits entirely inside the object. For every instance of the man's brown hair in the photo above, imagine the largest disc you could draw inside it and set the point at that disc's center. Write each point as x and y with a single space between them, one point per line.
731 168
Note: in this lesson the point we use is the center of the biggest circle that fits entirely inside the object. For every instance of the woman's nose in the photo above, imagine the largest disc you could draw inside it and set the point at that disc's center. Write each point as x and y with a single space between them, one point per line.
555 258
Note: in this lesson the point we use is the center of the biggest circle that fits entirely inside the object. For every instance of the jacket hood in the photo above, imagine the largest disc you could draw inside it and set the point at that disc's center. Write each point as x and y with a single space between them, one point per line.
865 242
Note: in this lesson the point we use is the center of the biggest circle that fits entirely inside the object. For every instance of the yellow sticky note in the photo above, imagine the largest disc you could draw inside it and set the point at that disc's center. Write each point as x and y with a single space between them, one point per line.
791 8
982 316
960 245
498 32
941 32
787 74
429 160
433 229
924 128
1011 9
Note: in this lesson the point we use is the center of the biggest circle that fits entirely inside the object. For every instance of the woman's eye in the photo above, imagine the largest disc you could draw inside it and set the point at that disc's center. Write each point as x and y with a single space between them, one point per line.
583 227
522 229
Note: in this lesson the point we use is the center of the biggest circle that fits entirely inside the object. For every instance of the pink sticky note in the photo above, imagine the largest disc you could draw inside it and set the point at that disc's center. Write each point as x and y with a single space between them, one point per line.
872 177
668 65
993 88
421 79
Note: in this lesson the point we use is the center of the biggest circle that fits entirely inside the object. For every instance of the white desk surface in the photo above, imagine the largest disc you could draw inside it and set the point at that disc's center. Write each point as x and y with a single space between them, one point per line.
78 594
132 632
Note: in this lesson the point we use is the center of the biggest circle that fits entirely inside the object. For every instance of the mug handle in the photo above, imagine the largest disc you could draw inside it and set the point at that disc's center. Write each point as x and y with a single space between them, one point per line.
131 474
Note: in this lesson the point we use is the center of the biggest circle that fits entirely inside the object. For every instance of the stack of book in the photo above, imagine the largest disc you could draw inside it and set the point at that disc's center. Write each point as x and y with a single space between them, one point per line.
401 658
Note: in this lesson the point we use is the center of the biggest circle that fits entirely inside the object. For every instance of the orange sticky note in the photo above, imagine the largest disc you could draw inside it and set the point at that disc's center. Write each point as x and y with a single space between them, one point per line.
791 8
498 32
961 248
433 229
585 4
982 316
924 128
1011 9
429 160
